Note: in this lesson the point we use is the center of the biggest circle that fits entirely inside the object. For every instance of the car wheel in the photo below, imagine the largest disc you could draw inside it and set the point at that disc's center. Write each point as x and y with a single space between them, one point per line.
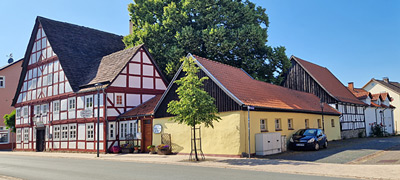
316 146
326 144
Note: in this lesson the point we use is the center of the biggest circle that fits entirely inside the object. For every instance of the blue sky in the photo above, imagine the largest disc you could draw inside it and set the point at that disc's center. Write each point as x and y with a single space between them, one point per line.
357 40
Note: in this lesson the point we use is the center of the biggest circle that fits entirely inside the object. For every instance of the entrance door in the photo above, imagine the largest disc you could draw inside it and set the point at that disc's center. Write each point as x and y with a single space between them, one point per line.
40 142
148 133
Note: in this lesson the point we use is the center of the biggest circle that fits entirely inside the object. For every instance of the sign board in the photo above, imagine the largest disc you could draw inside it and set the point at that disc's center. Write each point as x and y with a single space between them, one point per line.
87 113
250 107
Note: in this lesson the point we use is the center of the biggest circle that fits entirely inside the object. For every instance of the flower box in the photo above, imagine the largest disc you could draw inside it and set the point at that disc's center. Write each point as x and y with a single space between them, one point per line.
126 150
163 151
115 149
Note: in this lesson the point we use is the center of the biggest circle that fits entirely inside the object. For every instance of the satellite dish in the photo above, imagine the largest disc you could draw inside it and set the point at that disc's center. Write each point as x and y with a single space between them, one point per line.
10 60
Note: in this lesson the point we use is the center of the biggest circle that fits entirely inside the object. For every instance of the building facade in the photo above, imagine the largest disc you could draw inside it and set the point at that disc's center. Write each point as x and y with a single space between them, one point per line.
9 76
376 86
72 77
308 77
276 109
379 110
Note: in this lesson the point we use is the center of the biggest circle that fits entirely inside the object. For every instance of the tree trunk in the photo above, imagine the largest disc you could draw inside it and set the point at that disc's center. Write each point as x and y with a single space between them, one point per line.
194 139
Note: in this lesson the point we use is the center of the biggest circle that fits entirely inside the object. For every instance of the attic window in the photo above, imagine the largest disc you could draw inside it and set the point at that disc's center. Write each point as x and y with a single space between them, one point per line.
119 99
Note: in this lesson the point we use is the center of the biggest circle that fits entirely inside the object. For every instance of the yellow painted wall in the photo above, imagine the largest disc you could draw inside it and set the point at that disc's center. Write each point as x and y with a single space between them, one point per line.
378 88
230 135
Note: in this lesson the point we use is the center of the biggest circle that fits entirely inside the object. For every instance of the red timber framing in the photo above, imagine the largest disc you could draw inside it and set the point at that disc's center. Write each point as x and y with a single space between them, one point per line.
53 108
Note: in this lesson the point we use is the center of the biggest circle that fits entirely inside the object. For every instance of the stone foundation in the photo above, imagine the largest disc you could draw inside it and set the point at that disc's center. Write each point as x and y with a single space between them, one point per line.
352 133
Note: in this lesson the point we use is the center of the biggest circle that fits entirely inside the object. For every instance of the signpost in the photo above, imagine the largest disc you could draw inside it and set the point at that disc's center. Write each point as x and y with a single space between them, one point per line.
248 123
87 113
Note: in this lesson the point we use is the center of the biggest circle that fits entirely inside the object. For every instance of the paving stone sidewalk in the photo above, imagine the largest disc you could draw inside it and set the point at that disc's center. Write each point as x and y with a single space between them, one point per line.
359 171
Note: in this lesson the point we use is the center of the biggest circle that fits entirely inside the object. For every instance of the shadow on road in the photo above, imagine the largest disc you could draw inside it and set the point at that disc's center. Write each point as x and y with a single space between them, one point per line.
256 162
341 151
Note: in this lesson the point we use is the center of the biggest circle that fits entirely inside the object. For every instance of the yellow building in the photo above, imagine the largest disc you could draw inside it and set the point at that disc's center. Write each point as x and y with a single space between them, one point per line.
273 109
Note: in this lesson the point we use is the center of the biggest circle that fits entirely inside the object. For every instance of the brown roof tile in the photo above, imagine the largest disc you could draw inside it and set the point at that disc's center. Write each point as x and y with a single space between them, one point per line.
359 93
144 109
328 81
261 94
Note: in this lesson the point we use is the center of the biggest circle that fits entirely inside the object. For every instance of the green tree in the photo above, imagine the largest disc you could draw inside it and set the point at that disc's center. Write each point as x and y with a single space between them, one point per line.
195 106
9 120
233 32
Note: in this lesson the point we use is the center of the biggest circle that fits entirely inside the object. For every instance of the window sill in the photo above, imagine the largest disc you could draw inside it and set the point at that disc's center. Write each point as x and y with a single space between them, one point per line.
290 129
264 130
278 129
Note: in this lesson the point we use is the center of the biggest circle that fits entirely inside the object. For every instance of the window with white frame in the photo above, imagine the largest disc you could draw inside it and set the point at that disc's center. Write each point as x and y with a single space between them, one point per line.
71 104
72 131
123 129
89 131
45 109
26 134
19 135
278 125
64 132
56 132
36 110
263 125
17 113
89 102
25 111
56 106
2 82
290 124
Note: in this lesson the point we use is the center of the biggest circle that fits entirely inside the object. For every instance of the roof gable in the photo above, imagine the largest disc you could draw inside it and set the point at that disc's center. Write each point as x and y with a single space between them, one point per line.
394 86
328 81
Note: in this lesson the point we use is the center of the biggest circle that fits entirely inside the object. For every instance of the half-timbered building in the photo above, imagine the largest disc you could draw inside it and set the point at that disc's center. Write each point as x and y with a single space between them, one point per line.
276 110
379 110
71 77
308 77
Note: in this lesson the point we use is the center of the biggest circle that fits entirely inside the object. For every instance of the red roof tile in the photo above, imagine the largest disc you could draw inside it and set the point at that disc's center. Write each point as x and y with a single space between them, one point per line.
376 96
261 94
359 93
144 109
328 81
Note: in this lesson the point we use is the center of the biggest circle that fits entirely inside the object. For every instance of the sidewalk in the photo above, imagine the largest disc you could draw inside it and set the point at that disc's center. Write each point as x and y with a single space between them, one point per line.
281 166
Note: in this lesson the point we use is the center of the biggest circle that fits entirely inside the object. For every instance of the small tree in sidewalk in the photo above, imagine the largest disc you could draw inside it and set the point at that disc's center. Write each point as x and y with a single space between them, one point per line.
195 105
9 120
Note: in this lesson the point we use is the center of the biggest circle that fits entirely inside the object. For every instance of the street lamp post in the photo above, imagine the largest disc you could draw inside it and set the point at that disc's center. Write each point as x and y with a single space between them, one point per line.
98 88
323 122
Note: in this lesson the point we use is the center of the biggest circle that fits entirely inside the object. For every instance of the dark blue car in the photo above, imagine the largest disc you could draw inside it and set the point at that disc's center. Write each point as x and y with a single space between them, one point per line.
312 139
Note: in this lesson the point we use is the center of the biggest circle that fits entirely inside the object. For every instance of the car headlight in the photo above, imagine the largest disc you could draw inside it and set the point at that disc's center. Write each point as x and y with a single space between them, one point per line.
311 140
291 140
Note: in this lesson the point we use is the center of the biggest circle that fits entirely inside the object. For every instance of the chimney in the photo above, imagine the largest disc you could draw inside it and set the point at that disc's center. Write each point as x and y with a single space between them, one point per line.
130 27
351 86
385 79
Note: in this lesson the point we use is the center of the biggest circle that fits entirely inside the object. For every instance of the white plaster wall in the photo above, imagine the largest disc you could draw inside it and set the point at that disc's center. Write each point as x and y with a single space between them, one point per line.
148 70
90 145
134 82
80 102
81 132
160 84
136 58
146 59
112 112
64 145
133 99
148 83
134 69
120 81
81 145
146 97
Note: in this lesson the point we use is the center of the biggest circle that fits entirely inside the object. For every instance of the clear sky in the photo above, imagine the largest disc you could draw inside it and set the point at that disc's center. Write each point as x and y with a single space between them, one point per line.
357 40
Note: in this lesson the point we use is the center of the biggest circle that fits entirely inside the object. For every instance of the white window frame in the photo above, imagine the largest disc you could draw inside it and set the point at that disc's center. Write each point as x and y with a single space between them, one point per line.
123 129
19 135
278 124
89 102
57 133
17 113
2 82
25 111
122 99
71 104
263 125
290 123
26 135
64 132
56 106
72 132
90 131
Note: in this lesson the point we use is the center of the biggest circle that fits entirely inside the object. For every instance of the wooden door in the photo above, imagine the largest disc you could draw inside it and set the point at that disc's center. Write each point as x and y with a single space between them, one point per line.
40 142
148 133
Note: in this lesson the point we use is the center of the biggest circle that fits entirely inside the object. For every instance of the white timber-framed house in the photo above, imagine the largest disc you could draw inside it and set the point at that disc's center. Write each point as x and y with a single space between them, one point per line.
64 68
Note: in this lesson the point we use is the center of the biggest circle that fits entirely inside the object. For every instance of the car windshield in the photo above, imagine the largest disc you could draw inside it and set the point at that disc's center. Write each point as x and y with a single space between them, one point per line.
307 132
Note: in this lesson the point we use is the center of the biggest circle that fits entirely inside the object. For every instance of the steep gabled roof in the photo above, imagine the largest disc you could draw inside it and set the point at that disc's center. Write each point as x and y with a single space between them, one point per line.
80 51
360 93
328 81
144 109
247 91
395 86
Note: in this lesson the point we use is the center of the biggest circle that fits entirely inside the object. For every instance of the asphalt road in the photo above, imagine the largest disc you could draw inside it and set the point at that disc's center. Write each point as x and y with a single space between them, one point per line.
343 151
26 167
